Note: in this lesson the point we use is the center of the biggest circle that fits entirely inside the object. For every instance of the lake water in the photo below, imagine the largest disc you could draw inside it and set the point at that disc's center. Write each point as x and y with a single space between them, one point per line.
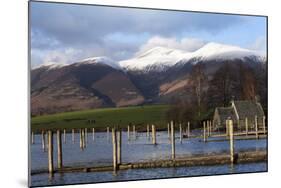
99 152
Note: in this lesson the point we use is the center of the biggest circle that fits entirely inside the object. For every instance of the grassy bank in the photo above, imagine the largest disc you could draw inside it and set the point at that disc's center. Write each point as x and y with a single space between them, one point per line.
101 118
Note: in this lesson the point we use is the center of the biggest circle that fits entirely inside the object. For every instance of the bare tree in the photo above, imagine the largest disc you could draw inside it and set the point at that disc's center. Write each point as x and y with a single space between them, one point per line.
223 86
198 80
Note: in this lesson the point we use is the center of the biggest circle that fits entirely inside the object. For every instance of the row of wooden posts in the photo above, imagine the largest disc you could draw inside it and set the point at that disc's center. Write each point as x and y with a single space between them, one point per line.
116 143
117 140
207 131
83 134
83 138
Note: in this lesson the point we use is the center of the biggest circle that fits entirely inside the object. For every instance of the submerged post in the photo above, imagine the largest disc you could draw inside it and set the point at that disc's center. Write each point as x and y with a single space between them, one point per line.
114 148
83 139
188 129
64 137
59 147
180 133
227 132
209 131
147 131
50 152
32 137
93 134
256 125
119 147
73 132
43 140
210 123
204 131
81 142
207 128
168 127
263 123
246 125
231 140
153 134
86 135
128 133
173 140
134 131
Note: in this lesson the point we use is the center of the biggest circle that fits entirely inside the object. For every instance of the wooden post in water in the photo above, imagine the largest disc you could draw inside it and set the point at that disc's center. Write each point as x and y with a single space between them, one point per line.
152 133
207 122
263 124
180 133
64 137
50 152
59 148
153 129
73 132
168 131
93 134
147 131
188 129
226 128
128 133
204 131
43 140
231 140
173 140
246 125
114 149
210 123
83 139
256 125
81 142
32 137
86 135
119 147
209 132
134 132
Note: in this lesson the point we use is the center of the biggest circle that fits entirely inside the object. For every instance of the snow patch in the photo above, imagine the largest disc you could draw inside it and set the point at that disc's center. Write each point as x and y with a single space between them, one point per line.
50 65
100 60
158 56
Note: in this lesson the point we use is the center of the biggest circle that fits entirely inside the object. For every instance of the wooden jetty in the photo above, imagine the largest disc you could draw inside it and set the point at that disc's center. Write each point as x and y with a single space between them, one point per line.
198 160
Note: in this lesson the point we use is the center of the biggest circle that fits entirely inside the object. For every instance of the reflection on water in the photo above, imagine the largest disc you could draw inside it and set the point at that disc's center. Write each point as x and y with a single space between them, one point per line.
99 152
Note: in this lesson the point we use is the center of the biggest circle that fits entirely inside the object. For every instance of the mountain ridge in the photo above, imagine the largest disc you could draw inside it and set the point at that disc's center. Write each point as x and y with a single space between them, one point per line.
162 57
99 82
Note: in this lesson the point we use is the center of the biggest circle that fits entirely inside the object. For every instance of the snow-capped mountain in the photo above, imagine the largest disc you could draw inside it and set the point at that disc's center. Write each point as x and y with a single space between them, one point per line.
215 51
155 76
89 61
160 58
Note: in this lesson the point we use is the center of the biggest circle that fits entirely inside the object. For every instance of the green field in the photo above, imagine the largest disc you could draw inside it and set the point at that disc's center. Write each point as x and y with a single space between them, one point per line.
102 118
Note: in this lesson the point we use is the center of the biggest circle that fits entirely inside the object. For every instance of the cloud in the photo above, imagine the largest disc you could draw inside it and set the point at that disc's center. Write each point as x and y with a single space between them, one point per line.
68 32
186 44
259 44
79 25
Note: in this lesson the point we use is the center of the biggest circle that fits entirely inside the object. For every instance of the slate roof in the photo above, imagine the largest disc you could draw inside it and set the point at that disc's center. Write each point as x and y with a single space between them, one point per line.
225 113
248 109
